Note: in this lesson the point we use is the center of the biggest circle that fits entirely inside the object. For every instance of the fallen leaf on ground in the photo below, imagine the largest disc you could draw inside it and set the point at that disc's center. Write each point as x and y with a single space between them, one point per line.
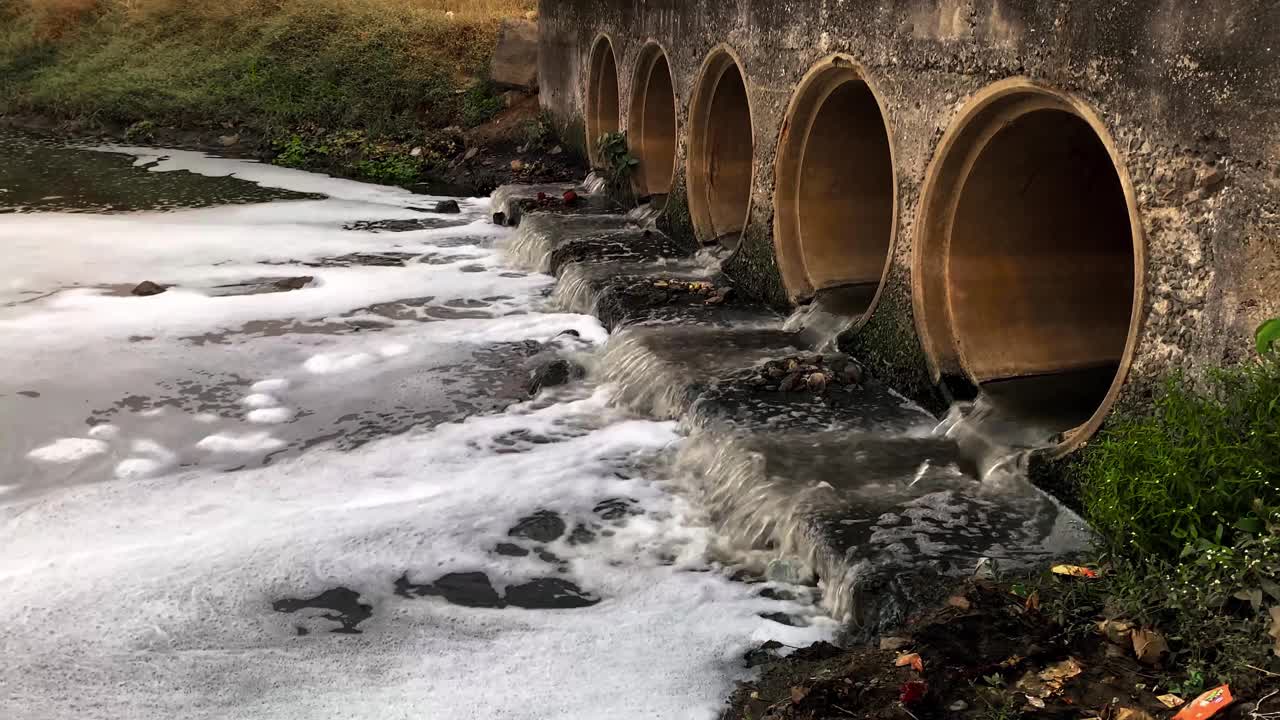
1207 705
1035 702
1125 713
1117 631
959 601
913 692
1149 646
1074 571
1060 672
798 694
912 659
1171 701
1033 601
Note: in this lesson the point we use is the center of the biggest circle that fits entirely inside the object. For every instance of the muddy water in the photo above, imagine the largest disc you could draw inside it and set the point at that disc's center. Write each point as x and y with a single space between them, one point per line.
306 480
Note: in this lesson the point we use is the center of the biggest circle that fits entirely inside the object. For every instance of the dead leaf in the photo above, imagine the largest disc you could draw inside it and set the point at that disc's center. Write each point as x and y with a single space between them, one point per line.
1033 601
798 694
1035 702
1275 628
1074 571
1117 631
1125 713
1207 705
1059 672
912 659
1149 646
959 601
1171 701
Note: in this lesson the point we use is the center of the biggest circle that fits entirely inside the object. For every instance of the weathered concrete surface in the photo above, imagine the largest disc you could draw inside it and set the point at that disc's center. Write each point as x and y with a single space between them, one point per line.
1188 89
515 59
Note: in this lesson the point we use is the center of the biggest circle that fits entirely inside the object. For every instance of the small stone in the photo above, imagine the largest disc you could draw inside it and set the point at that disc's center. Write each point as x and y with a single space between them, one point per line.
229 140
553 374
894 644
958 706
959 601
1212 177
471 153
517 165
449 207
791 383
416 152
817 382
556 150
146 288
853 374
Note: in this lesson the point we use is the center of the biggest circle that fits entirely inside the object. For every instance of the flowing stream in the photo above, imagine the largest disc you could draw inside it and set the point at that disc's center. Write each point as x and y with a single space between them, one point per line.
306 480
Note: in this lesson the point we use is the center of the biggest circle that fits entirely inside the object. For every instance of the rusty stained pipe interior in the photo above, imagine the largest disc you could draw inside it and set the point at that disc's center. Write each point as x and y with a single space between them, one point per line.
1040 268
652 135
721 152
836 197
1027 260
602 96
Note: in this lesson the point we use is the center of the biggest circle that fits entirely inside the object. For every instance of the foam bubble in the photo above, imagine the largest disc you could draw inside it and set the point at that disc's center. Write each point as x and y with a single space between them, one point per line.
330 364
271 386
68 450
104 432
271 416
393 350
259 400
244 444
135 468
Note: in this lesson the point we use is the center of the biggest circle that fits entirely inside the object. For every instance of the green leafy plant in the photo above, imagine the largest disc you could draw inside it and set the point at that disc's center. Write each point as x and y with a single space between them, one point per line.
1201 466
1268 336
617 162
481 103
539 131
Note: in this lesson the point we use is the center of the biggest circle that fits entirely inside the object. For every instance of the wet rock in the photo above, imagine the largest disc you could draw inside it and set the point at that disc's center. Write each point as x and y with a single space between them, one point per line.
782 619
146 288
29 393
550 594
615 509
448 207
582 535
894 644
763 655
229 140
511 550
774 594
472 589
554 373
293 283
543 526
345 603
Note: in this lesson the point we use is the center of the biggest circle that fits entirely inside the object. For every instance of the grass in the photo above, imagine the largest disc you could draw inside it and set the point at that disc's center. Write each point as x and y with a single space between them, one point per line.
385 66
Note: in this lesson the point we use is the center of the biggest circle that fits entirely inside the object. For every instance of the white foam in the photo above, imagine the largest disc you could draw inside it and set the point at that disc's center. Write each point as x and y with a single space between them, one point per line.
329 364
68 450
192 563
271 416
259 400
272 386
104 432
242 444
393 350
135 468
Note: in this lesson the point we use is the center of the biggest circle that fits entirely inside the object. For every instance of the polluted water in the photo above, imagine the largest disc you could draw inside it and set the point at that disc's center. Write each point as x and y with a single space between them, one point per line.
269 452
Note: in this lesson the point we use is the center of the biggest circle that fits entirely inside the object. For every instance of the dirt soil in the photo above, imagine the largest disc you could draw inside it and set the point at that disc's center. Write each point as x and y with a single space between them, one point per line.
986 653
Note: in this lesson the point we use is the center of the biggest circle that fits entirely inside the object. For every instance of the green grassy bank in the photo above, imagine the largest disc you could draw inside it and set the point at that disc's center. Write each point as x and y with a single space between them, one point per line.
358 77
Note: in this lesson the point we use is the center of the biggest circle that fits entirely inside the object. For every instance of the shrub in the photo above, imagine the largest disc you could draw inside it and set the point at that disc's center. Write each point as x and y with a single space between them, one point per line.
1202 466
480 104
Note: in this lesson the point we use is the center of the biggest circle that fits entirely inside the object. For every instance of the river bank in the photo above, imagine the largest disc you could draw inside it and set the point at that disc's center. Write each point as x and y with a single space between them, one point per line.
388 91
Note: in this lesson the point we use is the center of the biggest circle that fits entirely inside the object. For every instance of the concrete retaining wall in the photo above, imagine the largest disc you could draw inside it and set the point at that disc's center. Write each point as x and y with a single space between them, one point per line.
1189 91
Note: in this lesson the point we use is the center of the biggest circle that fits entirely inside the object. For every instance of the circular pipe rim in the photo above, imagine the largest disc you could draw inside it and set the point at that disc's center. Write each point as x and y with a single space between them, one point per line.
839 68
933 235
602 42
718 61
650 53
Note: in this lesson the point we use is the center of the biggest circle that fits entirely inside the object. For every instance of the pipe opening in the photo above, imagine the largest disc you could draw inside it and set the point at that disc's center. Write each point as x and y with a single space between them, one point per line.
1028 266
836 198
721 152
602 96
653 123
